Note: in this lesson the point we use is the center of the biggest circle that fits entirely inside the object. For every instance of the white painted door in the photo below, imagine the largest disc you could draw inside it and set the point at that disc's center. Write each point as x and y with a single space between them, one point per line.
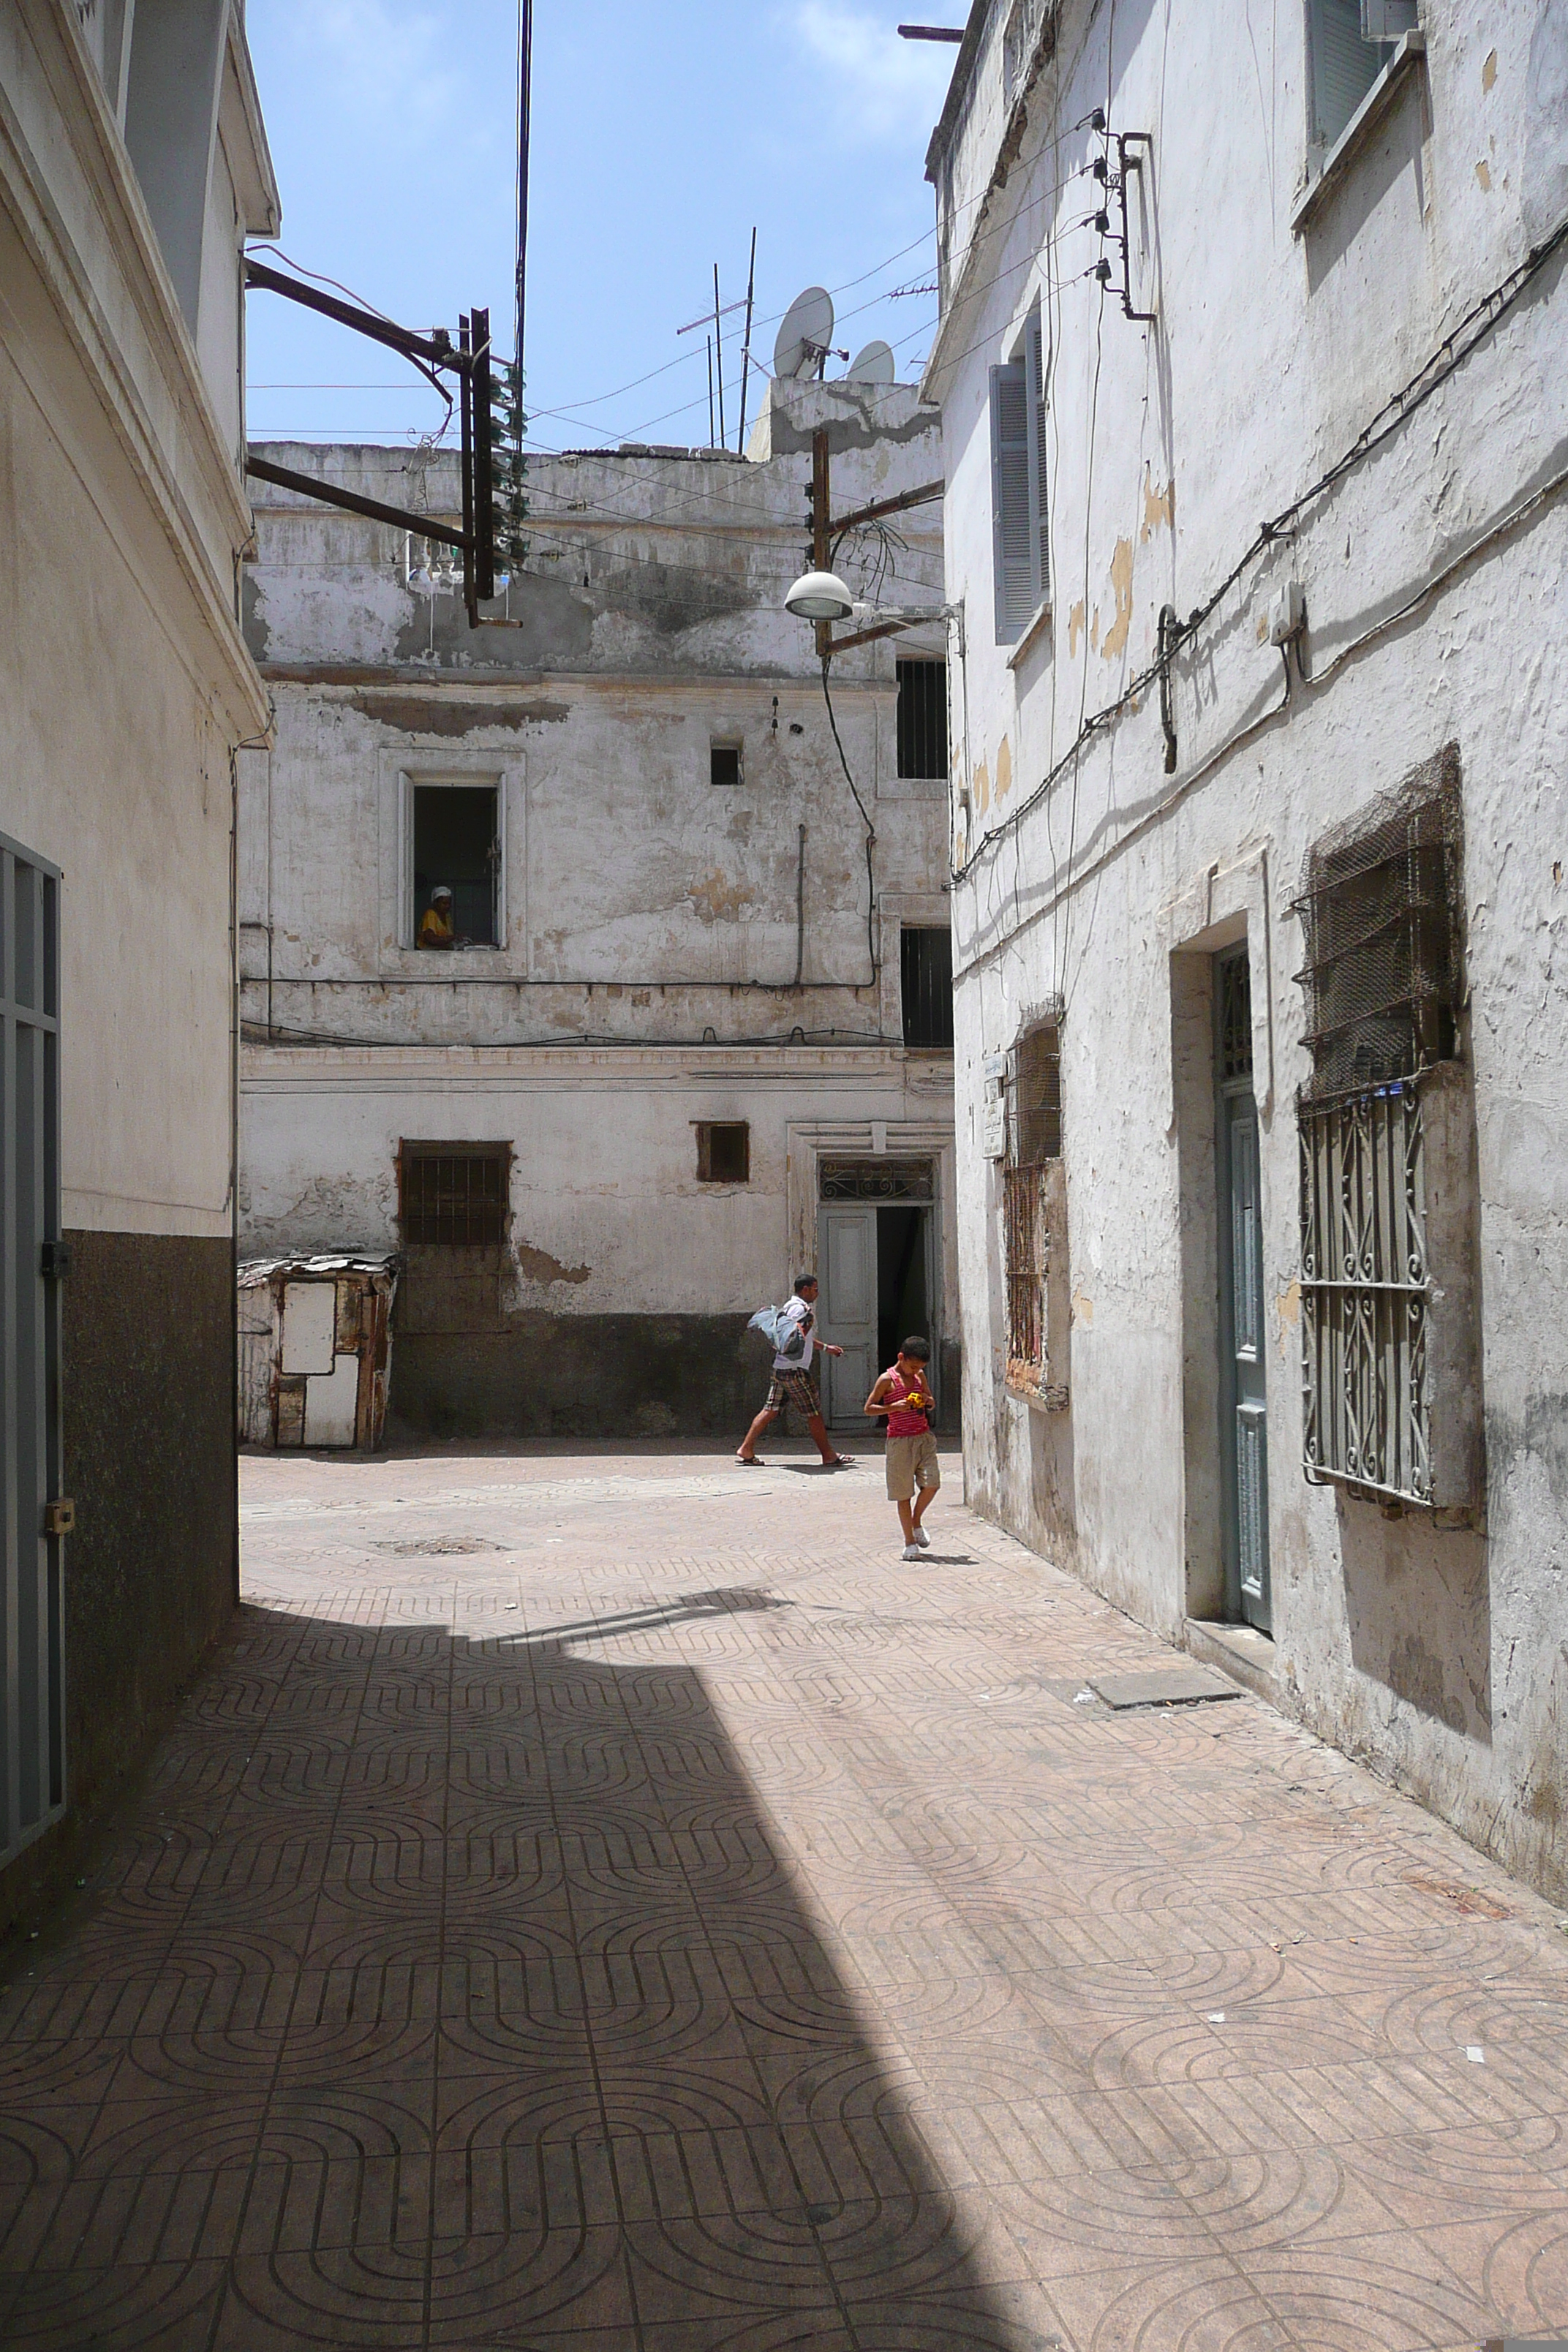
846 1309
310 1326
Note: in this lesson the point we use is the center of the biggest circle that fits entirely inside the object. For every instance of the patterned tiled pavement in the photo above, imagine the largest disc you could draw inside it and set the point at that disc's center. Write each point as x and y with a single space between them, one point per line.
613 1903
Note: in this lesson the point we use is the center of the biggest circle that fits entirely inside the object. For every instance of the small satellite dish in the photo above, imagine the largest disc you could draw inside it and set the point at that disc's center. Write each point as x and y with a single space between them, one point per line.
875 365
805 334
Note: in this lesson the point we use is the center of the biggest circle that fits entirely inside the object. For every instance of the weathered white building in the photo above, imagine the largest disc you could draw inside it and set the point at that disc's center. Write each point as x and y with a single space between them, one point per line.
132 163
697 1034
1250 368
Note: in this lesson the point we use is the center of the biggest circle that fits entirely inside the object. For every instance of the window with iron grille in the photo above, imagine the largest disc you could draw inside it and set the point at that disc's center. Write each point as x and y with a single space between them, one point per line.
1034 1140
1381 908
724 1151
925 972
922 717
454 1193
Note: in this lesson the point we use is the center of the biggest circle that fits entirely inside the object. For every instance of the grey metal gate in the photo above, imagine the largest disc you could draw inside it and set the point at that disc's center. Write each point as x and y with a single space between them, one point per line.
1244 1410
33 1517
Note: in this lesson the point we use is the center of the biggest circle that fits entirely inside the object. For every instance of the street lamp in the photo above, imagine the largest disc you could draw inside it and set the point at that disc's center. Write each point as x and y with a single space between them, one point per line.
819 596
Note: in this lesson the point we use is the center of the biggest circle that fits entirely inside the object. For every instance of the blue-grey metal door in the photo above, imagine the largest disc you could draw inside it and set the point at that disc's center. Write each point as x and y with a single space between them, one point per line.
32 1515
1244 1401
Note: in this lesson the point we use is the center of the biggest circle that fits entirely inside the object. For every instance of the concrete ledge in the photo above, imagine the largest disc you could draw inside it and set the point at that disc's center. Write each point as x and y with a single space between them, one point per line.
1239 1651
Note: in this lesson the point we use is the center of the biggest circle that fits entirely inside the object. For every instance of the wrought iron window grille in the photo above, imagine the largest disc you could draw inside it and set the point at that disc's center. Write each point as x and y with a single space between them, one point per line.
1382 907
890 1181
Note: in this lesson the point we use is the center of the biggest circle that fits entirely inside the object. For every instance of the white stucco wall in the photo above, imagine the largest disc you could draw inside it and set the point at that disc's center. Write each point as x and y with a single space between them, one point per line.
644 975
1441 1654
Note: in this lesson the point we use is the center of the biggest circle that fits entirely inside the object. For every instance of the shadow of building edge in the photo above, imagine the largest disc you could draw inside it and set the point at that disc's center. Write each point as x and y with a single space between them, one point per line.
744 2032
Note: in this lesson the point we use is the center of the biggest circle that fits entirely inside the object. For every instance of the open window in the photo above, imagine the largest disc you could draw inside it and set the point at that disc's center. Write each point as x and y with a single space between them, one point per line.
925 970
922 719
724 763
724 1151
1018 505
455 846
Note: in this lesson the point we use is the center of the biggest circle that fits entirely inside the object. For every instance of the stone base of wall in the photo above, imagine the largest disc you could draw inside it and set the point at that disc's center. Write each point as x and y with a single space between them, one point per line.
593 1376
581 1376
152 1571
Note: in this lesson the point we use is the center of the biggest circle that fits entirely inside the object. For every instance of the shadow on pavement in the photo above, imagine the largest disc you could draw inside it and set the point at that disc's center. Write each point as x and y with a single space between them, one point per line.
451 1992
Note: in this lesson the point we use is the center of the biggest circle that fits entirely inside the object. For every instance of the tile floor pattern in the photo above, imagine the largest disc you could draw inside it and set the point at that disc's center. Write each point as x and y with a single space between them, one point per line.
614 1904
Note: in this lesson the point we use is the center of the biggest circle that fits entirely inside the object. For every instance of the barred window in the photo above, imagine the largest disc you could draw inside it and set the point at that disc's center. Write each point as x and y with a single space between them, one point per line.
1381 908
925 974
922 717
1034 1140
453 1193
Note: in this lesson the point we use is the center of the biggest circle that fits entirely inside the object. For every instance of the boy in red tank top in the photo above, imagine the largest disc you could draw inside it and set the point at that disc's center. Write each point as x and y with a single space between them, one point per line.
904 1394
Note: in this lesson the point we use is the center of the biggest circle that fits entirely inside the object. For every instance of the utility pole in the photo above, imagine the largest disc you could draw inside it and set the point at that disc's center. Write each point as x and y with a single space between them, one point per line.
524 96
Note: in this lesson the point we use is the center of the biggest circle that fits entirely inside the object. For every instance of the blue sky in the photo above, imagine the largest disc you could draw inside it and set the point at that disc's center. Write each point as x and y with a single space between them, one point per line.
660 135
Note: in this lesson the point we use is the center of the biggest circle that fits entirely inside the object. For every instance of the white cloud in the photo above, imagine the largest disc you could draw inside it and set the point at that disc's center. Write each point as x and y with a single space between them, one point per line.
877 87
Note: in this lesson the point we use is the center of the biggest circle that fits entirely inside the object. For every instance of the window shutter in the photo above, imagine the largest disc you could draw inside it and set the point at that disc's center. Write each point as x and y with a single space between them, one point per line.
1015 570
1344 66
1035 372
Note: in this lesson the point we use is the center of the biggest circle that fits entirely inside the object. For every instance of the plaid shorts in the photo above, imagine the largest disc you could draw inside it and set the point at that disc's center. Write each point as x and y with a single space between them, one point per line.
798 1389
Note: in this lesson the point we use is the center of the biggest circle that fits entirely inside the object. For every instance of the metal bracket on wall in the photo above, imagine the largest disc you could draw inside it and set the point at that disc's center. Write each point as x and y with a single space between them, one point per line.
1126 161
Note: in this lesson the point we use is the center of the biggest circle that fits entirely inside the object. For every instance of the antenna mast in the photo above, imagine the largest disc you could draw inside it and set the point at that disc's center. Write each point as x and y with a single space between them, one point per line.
525 91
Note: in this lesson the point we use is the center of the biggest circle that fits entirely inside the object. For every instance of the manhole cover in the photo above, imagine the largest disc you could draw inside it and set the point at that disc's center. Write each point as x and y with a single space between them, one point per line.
435 1547
1162 1687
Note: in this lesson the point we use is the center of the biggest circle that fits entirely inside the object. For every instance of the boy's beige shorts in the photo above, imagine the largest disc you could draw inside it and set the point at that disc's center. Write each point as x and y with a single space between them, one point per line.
912 1463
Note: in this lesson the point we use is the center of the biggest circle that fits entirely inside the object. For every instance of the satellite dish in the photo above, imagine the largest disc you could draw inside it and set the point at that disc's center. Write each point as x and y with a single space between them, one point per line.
875 365
805 334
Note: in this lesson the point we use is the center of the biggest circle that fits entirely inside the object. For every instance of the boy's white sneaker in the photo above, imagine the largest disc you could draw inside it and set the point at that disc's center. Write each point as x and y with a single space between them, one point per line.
911 1551
922 1540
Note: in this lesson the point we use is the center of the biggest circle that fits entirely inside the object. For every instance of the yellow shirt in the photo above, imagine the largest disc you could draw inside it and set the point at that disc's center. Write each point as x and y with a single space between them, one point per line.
435 930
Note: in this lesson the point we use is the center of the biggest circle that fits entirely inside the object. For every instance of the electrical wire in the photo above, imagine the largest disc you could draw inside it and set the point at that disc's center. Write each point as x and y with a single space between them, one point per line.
870 832
1441 363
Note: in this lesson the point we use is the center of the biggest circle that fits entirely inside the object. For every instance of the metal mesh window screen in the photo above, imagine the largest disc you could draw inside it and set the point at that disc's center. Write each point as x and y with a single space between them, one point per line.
454 1193
1037 1097
1021 1233
1381 908
925 972
922 719
1035 1137
724 1151
1382 911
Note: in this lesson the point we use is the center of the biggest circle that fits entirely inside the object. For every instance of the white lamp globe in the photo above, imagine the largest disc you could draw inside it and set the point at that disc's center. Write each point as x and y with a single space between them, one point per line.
819 596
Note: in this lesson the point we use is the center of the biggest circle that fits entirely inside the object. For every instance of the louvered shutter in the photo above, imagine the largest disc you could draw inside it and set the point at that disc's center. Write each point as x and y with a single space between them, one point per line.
1035 373
1014 565
1344 67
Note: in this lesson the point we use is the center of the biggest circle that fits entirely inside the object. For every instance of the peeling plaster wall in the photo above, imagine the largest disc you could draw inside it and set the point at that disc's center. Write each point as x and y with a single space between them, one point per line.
1442 1657
644 975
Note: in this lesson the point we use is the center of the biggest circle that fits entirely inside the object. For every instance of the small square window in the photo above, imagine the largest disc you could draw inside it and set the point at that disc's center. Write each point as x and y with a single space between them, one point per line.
453 1194
724 763
724 1151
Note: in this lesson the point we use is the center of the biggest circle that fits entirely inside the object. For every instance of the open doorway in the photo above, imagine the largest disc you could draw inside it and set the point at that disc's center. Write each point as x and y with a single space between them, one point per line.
876 1262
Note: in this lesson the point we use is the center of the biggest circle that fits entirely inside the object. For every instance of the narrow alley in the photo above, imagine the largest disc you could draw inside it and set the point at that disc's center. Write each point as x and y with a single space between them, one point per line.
609 1901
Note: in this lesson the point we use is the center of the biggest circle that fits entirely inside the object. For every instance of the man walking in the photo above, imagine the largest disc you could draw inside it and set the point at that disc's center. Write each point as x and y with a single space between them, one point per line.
792 1382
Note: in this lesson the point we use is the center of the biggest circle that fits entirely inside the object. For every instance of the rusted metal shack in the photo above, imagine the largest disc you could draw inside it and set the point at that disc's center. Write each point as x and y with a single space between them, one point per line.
315 1344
